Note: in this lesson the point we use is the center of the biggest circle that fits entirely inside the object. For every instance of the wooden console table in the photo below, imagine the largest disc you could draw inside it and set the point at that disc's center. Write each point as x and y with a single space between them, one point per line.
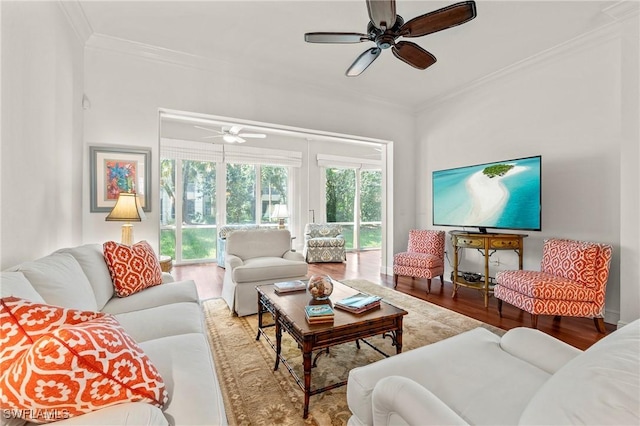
487 244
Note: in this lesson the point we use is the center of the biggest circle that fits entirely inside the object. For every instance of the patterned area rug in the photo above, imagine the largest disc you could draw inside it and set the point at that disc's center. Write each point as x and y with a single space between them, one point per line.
254 394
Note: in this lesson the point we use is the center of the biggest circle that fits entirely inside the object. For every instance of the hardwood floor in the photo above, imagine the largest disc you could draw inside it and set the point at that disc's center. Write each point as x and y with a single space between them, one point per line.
578 332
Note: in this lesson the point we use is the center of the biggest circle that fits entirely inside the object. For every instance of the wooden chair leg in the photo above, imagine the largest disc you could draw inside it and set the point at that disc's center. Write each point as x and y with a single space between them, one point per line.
395 280
599 322
534 321
441 282
557 318
500 307
428 285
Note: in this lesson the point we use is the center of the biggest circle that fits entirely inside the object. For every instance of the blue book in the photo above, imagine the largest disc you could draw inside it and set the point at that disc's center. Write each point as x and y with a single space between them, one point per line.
358 301
313 311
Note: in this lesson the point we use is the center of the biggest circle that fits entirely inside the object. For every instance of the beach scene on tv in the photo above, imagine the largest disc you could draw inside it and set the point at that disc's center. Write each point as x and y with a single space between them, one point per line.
504 195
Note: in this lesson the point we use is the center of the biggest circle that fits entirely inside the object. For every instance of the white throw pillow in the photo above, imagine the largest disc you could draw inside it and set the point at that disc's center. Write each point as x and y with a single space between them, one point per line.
16 284
91 260
59 279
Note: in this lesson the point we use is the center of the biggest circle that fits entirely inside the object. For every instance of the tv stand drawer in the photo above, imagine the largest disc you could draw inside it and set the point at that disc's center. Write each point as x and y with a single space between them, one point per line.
512 243
472 242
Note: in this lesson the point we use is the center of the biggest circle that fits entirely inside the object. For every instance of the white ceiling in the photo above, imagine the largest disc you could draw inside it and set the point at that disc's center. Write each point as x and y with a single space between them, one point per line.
268 37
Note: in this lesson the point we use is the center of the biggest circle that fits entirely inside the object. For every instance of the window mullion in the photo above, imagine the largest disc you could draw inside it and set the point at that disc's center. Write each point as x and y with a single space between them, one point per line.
179 202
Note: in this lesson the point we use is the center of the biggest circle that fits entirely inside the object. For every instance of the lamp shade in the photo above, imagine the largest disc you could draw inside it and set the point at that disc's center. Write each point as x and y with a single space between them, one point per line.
127 209
280 211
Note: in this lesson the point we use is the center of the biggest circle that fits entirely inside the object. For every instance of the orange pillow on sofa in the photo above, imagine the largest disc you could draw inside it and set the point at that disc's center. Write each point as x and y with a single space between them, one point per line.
78 363
132 268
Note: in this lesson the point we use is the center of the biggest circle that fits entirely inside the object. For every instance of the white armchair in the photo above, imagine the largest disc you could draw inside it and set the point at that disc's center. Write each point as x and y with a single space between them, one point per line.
256 257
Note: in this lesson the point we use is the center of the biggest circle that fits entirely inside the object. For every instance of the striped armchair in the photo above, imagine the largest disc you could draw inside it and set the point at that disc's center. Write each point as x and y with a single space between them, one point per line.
571 282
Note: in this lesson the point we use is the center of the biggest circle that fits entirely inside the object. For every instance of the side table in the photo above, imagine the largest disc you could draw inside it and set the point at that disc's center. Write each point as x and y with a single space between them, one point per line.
166 263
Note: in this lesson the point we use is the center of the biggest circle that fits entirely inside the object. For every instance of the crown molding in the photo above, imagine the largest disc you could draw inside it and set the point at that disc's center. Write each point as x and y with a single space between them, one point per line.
623 10
602 34
78 20
178 58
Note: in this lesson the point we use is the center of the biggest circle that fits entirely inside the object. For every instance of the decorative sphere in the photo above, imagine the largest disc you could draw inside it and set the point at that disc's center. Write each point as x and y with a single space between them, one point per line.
320 287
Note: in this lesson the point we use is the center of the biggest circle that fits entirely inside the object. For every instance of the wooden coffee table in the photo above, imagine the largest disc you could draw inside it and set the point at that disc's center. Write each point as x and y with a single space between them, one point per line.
288 314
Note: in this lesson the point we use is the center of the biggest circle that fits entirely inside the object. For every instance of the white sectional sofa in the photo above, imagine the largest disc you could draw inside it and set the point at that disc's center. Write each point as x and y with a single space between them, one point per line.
524 377
166 321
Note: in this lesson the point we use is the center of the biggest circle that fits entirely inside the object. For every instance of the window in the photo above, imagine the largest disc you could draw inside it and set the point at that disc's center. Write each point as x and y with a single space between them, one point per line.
370 209
243 189
274 183
341 195
201 183
188 214
241 194
354 199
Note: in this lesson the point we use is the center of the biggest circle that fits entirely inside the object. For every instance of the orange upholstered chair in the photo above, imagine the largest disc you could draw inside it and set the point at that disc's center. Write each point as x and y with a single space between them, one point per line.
424 257
571 282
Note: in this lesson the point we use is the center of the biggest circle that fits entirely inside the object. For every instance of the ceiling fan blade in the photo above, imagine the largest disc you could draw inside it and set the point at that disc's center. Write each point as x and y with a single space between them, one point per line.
335 37
440 19
239 139
413 55
363 61
206 128
252 135
382 13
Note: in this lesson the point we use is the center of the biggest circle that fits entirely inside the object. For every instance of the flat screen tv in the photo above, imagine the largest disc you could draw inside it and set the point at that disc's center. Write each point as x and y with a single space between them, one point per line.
500 195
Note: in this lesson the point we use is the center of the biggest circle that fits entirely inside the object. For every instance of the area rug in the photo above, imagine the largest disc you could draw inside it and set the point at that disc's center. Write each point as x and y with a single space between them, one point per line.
255 394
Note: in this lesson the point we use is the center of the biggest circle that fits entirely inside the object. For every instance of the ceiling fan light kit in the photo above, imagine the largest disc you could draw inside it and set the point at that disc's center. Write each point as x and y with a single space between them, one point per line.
385 27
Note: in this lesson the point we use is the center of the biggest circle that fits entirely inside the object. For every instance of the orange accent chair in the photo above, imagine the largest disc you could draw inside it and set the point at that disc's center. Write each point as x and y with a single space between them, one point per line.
424 257
571 282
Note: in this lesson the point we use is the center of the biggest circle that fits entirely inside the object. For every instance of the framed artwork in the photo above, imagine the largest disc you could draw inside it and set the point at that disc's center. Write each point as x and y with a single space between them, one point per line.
116 169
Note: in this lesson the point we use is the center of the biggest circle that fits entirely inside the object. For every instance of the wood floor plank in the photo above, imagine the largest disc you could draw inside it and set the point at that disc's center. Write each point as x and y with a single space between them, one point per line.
578 332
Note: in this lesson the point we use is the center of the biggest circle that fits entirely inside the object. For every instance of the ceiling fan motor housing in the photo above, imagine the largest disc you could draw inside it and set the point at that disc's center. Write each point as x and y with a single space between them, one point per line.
385 39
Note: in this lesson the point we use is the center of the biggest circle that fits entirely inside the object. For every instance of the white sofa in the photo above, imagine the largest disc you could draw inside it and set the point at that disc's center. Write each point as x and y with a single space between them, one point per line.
255 257
523 377
166 321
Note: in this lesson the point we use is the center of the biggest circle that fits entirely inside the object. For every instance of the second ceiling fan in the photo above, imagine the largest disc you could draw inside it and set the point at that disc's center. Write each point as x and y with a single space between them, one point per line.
385 27
232 134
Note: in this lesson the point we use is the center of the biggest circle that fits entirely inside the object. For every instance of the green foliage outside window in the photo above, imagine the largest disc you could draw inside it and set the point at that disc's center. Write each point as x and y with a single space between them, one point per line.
341 190
273 184
241 193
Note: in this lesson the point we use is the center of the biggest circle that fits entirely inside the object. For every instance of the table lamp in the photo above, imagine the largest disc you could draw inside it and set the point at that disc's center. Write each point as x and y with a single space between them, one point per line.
280 212
127 209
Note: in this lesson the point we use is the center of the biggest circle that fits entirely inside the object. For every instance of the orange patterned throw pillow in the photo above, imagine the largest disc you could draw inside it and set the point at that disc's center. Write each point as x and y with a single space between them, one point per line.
60 363
132 268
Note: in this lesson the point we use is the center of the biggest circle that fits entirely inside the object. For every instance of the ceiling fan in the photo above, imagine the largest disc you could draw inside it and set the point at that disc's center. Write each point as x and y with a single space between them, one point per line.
385 27
232 134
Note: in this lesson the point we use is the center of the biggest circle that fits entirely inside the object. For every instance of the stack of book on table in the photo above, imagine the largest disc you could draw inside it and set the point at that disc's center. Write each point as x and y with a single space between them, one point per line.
359 303
319 314
289 286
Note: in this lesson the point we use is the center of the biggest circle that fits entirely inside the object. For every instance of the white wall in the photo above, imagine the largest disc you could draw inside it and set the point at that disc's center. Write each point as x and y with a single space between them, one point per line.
126 92
41 157
565 106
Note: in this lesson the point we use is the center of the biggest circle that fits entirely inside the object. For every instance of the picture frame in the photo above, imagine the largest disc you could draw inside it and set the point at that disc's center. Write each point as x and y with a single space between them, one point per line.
114 169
